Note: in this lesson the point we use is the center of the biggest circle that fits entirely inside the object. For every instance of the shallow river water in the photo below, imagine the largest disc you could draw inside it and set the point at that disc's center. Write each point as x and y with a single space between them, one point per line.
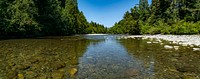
96 57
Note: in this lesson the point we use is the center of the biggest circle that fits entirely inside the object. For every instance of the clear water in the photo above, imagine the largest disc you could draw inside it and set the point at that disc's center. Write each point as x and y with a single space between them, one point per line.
96 57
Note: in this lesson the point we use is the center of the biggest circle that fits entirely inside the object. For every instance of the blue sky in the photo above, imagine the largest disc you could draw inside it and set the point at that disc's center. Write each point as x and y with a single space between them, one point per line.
105 12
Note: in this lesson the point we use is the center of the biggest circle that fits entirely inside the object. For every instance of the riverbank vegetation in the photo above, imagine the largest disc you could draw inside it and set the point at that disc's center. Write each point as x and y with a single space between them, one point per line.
161 17
29 18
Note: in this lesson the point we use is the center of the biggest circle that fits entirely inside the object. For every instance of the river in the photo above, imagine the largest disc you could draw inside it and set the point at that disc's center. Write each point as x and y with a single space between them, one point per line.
97 57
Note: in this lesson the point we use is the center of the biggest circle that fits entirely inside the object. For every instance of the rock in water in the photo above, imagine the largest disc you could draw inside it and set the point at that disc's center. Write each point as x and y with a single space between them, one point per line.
57 75
57 65
176 47
196 49
20 76
73 71
168 47
132 72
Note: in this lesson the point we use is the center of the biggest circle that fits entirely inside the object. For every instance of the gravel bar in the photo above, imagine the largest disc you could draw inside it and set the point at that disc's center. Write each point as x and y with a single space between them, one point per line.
185 40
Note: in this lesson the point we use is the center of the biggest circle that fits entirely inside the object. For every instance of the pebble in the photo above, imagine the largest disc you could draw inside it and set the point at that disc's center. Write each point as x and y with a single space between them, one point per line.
196 49
168 47
20 76
184 40
148 42
57 65
57 75
155 42
176 47
73 71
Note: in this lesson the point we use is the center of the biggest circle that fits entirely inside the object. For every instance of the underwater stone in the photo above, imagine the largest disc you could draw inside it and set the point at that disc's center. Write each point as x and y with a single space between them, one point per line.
168 47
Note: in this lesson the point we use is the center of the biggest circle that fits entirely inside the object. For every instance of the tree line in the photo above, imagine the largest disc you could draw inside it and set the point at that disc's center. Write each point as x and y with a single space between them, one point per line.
29 18
161 17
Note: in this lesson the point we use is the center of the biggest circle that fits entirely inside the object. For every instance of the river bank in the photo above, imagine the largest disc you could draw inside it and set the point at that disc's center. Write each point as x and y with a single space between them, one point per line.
184 40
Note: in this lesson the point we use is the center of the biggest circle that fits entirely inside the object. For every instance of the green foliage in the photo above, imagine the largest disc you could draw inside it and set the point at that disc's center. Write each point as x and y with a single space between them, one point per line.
95 28
29 18
62 17
20 18
161 17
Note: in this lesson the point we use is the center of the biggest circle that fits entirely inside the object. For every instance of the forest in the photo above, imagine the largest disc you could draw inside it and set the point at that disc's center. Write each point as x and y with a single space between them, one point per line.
30 18
161 17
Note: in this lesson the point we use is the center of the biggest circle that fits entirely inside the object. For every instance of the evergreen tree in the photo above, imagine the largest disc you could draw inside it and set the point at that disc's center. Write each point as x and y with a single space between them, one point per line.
41 17
162 16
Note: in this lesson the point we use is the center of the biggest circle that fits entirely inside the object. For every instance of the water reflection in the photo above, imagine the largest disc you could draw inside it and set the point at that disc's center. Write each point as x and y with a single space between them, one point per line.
108 59
166 63
96 57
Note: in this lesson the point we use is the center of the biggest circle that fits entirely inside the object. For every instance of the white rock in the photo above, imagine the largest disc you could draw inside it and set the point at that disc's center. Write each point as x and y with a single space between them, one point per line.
155 42
148 42
184 44
168 47
185 40
176 47
196 49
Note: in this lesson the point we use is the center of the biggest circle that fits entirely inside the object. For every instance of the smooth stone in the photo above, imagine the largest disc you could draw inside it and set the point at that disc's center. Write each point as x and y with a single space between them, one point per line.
57 75
73 71
30 74
168 47
176 47
189 77
184 44
196 49
186 69
148 42
57 65
132 72
191 45
155 42
174 60
20 76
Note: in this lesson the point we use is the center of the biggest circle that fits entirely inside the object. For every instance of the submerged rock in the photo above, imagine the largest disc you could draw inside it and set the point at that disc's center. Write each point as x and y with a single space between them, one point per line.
20 76
189 76
187 69
57 75
148 42
176 47
196 49
57 65
168 47
132 72
72 71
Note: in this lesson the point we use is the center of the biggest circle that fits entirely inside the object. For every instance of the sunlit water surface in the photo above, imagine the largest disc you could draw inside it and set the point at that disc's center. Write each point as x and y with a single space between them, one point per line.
96 57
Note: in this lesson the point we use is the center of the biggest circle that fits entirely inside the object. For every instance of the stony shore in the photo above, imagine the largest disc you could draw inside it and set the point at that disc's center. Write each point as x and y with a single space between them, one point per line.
185 40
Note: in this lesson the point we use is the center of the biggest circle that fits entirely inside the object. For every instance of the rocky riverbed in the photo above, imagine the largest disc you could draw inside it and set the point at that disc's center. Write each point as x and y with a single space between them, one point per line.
101 57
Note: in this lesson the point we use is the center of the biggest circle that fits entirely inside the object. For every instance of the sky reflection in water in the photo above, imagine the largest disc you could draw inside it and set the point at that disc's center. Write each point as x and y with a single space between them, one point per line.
107 58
